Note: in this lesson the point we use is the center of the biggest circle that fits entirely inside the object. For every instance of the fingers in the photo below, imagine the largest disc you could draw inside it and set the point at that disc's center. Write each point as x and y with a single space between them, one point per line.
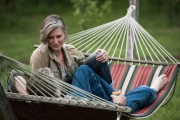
123 98
122 93
119 99
103 56
112 96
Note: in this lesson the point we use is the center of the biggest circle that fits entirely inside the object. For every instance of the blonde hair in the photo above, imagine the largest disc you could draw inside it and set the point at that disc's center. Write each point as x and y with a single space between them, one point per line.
50 23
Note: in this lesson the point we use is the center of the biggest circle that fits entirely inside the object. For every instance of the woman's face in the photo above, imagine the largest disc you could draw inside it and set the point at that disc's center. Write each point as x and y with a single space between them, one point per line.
56 39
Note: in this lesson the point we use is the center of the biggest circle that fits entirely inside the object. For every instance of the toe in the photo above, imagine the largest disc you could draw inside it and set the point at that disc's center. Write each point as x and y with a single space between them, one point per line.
163 76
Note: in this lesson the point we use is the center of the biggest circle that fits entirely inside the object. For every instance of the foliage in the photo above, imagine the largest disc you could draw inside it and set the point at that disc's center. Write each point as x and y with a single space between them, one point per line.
169 9
90 11
32 6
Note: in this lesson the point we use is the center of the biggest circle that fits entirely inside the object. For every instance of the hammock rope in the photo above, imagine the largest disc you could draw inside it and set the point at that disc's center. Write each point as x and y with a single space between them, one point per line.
47 87
115 37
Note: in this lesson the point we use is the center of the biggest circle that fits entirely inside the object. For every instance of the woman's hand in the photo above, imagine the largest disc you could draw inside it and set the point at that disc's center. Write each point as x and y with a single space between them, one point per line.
103 56
119 99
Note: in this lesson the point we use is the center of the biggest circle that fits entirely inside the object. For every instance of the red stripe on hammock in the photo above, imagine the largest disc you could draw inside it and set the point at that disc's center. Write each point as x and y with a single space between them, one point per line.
117 71
169 71
142 76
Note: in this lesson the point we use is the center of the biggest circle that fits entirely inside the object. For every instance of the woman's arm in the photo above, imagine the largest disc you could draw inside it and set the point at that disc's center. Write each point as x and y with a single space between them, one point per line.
39 59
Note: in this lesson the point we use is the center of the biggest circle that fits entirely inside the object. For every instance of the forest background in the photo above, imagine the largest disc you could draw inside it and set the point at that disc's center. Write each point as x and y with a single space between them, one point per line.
20 22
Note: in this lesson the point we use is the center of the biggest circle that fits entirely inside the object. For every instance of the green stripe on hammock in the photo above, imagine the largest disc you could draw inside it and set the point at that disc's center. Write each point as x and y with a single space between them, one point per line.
144 75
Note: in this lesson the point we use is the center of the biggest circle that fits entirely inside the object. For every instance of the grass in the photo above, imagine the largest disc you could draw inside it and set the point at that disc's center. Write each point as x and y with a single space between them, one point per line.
19 33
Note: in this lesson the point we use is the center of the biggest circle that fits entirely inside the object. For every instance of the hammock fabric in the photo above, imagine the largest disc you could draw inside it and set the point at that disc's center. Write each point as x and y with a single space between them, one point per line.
127 77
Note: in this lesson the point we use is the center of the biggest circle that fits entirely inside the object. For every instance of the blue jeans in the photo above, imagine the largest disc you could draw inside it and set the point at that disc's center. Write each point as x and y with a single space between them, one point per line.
102 69
140 97
87 79
92 71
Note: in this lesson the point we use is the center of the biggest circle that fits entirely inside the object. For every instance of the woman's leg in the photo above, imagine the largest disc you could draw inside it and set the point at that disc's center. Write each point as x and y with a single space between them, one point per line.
140 97
20 84
102 69
143 96
86 79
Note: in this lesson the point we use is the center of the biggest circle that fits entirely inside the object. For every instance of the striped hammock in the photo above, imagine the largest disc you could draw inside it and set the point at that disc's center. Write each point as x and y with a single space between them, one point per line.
127 77
136 58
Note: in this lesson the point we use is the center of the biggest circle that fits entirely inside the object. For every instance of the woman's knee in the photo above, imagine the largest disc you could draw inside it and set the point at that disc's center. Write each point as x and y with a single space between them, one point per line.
91 58
94 55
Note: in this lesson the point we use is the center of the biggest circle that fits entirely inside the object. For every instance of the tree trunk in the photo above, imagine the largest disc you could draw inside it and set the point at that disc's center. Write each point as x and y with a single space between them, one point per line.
169 14
135 14
130 48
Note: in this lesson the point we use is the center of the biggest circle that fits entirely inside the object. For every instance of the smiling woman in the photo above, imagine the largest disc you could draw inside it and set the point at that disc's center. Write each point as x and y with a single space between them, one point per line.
53 53
56 39
62 59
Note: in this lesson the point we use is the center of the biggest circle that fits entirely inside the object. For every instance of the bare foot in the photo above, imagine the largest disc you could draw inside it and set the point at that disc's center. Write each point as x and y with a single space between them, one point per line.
159 83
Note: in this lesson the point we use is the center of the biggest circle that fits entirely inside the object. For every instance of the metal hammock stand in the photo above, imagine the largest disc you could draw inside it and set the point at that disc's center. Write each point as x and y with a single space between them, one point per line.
120 38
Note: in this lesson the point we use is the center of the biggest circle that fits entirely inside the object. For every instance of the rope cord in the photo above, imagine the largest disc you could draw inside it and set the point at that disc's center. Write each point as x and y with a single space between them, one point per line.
41 87
113 37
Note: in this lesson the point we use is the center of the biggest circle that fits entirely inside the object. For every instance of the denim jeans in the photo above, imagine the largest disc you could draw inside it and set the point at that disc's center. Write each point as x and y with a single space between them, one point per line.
89 78
102 69
86 79
94 77
140 97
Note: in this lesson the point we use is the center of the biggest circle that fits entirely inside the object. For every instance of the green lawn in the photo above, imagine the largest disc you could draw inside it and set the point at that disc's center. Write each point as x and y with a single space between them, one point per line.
19 33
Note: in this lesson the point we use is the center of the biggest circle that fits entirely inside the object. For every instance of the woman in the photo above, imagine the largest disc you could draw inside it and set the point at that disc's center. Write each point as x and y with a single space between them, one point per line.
66 61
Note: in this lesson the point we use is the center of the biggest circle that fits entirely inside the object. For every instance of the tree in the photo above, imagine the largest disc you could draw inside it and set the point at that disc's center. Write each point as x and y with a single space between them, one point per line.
90 10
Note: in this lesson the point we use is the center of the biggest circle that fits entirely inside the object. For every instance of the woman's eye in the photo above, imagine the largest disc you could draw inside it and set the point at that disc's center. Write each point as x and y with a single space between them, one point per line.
59 36
50 38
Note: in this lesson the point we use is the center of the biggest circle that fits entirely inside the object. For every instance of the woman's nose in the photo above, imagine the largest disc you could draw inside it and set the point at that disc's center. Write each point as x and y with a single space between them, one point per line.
55 40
